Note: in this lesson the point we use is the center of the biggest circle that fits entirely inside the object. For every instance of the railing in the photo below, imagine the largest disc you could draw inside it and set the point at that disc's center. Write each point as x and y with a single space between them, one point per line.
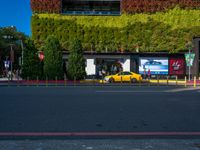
148 82
92 13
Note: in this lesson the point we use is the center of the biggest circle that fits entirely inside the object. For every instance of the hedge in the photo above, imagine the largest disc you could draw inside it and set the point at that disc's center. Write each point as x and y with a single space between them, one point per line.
127 6
140 6
162 31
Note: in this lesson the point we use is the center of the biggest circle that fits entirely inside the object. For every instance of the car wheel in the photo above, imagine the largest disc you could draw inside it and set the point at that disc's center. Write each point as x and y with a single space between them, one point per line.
111 80
133 80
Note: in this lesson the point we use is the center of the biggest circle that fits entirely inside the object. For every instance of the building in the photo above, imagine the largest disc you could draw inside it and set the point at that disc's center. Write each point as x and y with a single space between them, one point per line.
124 34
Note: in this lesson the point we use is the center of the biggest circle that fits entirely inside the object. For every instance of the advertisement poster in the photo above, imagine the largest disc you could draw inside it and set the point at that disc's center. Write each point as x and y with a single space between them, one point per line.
156 65
176 66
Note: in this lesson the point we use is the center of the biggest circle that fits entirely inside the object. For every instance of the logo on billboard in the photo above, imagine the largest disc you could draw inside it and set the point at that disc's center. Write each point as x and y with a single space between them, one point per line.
176 66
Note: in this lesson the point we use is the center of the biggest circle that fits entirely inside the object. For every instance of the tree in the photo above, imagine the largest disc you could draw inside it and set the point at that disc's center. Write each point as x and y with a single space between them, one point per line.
76 63
31 64
53 59
9 35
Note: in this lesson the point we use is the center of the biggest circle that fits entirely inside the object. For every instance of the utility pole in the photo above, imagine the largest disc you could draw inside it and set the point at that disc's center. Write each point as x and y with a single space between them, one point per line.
11 60
22 46
189 65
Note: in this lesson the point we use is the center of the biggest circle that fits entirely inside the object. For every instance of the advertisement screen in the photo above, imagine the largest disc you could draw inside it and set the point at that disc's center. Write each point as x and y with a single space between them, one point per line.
156 65
176 66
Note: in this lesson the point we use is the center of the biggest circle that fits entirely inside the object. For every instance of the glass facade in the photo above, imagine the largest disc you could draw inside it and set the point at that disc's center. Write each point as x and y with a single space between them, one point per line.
91 7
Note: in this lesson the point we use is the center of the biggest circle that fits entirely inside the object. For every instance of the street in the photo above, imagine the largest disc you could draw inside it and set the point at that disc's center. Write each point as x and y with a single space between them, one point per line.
99 109
100 112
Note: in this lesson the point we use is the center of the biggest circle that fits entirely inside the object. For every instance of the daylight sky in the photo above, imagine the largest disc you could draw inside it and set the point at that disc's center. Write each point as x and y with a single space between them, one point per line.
16 13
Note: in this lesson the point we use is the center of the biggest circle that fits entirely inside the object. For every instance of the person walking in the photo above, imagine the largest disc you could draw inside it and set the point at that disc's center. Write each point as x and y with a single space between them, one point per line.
145 73
149 74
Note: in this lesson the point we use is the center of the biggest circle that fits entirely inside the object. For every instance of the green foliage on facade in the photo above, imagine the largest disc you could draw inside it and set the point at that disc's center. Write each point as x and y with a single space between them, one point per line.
76 61
53 59
127 6
162 31
31 68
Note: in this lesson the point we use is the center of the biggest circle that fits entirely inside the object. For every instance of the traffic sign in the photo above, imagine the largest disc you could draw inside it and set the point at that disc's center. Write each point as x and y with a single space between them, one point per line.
7 64
41 55
189 57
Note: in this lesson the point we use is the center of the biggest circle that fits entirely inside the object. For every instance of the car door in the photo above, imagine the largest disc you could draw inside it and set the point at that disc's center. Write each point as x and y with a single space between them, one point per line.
126 76
119 77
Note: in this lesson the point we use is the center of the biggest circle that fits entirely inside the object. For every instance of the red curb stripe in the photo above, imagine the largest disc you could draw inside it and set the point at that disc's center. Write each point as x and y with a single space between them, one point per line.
70 134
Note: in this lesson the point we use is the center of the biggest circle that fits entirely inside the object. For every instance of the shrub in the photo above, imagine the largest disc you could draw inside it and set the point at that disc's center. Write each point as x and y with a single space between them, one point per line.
76 61
31 67
53 59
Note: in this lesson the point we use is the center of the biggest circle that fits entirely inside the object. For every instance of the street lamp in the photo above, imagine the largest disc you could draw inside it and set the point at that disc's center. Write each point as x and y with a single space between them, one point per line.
11 54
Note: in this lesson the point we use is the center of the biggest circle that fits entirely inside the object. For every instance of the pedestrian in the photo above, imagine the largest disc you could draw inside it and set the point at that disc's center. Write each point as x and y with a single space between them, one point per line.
149 74
145 73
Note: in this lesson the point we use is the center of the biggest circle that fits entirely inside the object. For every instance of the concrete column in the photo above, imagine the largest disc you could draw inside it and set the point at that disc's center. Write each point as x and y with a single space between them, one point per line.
90 67
127 65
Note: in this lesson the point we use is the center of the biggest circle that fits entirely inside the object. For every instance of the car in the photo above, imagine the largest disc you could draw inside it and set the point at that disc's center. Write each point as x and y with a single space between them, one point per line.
151 64
124 76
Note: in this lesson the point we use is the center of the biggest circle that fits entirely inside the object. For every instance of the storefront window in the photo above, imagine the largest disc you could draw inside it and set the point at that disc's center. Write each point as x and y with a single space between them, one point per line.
108 66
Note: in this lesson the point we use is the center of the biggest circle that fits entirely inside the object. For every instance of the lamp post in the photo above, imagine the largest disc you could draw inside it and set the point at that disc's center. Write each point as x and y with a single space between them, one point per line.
11 60
189 45
11 54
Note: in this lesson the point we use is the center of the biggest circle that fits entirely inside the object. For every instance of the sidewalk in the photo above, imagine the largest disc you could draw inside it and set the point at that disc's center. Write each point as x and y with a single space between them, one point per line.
20 82
6 79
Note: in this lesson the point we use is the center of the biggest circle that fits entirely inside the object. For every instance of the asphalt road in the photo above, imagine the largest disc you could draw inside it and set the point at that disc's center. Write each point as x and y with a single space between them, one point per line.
108 110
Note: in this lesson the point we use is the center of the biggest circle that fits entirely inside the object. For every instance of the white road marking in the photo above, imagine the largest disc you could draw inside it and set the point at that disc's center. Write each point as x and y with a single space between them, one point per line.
116 91
164 91
184 89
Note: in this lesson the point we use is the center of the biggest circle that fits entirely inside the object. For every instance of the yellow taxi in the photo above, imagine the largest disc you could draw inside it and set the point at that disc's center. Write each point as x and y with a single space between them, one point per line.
124 76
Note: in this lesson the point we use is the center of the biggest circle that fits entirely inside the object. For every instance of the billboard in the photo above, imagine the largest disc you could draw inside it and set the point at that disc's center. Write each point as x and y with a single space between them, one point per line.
176 66
156 65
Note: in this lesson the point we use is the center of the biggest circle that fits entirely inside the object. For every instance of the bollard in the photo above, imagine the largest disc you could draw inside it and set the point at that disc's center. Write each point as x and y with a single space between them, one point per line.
121 80
65 81
176 80
93 80
46 81
140 82
17 81
195 81
101 81
74 81
56 81
157 80
167 80
8 82
130 80
37 81
27 81
185 81
149 82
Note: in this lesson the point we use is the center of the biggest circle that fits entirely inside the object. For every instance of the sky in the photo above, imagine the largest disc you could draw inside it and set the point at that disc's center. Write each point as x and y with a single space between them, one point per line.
16 13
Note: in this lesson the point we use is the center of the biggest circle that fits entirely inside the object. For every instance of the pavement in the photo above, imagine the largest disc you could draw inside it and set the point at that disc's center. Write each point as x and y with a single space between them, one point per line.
102 144
20 82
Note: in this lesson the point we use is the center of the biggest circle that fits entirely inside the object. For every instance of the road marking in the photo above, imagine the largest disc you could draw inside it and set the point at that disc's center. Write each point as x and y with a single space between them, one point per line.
116 91
184 89
78 134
